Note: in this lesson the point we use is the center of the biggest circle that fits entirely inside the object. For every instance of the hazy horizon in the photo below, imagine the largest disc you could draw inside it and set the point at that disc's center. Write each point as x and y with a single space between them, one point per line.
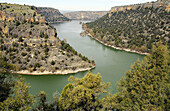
77 5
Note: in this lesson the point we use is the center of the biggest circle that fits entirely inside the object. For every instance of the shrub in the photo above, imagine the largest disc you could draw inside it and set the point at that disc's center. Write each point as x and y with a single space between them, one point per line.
31 26
42 69
17 23
37 65
23 54
52 62
20 39
56 68
36 23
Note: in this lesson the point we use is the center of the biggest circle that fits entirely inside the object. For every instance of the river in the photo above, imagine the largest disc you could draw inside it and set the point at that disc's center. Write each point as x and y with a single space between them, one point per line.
110 63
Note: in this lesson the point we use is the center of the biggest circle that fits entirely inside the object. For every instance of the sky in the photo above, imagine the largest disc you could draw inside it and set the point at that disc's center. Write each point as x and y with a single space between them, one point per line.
78 5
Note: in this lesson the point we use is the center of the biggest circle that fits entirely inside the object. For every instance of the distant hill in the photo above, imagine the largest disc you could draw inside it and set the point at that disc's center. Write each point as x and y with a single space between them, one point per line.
52 15
133 27
85 15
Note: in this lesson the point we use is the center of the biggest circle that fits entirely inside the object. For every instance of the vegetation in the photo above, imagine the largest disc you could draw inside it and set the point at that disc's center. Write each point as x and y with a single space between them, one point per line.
27 40
13 94
6 81
83 94
145 87
43 104
52 15
19 100
133 29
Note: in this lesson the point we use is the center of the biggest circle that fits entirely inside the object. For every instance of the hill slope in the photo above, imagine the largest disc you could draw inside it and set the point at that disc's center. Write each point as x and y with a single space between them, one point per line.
133 27
33 46
52 15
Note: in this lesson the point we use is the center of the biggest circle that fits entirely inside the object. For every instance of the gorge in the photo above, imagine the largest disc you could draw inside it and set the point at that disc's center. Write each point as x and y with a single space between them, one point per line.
112 66
85 60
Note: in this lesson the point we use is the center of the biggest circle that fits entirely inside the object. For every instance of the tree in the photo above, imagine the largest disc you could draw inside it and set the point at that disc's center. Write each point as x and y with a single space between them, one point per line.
20 39
34 14
43 104
6 82
45 36
146 85
20 100
17 23
52 62
83 94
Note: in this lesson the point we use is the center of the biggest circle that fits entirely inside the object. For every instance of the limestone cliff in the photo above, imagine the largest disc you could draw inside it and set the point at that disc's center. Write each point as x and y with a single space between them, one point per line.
163 3
85 15
15 12
52 15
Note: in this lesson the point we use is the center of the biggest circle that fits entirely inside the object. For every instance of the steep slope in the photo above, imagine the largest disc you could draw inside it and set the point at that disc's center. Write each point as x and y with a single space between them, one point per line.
85 15
33 46
52 15
133 28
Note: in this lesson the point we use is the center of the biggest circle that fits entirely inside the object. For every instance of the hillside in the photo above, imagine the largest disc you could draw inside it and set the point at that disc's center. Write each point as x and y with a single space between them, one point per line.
33 46
52 15
85 15
133 28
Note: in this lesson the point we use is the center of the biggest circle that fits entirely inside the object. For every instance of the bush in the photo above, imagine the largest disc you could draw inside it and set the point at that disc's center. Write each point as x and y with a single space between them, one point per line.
56 68
23 54
42 69
37 65
36 23
46 36
17 23
28 49
31 26
25 44
84 58
52 62
20 39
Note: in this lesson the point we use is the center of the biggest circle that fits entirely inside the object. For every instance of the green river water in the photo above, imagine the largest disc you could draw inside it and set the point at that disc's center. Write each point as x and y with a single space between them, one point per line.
110 63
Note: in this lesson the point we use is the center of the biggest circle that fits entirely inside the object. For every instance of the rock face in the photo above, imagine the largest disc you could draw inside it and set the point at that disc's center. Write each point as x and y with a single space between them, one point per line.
85 15
52 15
133 27
164 3
30 43
19 13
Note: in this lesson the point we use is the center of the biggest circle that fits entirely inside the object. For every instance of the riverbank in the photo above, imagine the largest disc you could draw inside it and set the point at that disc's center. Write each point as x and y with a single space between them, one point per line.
118 48
59 22
58 72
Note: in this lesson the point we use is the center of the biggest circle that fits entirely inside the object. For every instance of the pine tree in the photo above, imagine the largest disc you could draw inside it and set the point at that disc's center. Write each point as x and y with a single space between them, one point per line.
146 86
83 94
6 82
44 105
20 100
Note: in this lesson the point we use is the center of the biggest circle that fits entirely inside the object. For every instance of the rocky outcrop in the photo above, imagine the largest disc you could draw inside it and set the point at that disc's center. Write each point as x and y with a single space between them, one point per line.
52 15
168 8
163 3
85 15
20 13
